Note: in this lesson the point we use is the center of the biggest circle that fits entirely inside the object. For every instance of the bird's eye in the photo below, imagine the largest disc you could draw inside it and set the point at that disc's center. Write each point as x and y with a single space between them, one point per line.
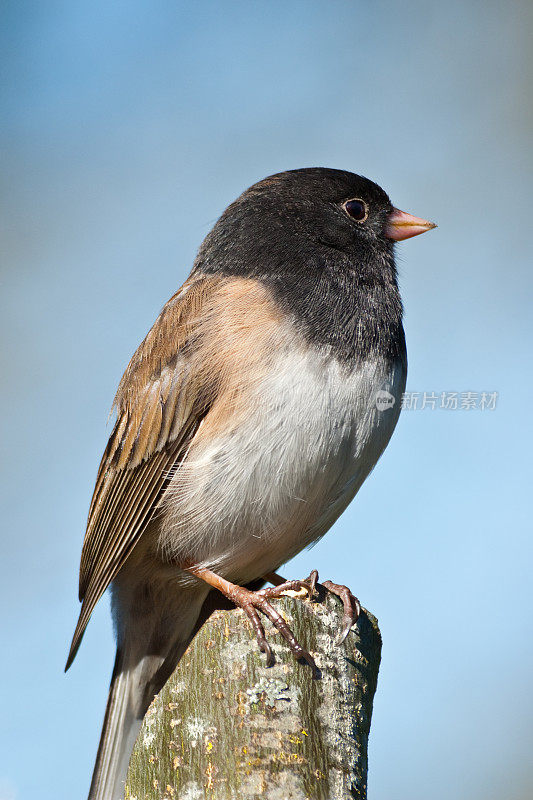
356 209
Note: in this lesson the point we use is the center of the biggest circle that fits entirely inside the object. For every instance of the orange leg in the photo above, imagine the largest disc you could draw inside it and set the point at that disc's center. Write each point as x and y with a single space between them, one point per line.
254 602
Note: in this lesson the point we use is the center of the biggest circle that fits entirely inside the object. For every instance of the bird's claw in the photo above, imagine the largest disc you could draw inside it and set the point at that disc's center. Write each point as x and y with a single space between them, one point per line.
254 602
352 607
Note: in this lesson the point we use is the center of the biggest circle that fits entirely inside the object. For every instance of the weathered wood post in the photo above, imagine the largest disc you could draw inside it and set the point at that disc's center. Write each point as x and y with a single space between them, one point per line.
226 727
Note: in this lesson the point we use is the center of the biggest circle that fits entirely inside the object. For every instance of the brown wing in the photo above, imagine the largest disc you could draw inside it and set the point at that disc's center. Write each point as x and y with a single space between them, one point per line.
160 403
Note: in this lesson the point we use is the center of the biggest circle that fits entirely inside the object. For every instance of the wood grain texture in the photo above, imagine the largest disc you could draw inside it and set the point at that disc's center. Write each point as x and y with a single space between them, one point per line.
226 727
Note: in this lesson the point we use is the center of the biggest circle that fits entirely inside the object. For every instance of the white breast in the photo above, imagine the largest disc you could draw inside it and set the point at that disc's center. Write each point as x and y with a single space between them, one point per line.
262 492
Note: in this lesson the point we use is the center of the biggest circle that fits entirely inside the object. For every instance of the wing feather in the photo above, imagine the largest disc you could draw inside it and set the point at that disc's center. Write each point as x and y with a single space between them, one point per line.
194 362
160 403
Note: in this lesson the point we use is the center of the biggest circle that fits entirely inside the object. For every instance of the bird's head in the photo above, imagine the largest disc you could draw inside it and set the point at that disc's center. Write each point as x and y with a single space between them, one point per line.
300 214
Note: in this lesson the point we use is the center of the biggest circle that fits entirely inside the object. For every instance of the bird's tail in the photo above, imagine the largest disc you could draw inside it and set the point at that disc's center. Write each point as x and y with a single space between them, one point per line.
120 729
144 662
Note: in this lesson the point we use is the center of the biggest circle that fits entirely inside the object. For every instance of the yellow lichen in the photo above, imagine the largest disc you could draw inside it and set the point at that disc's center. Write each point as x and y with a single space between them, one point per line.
209 775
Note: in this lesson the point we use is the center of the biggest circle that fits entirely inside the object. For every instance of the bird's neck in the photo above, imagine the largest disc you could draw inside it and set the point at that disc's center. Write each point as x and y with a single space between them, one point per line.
355 313
350 306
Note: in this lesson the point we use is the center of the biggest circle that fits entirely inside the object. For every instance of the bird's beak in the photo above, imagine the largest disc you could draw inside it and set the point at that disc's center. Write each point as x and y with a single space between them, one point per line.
401 225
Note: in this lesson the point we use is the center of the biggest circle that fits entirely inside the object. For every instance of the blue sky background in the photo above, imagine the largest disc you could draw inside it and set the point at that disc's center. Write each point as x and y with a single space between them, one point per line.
127 127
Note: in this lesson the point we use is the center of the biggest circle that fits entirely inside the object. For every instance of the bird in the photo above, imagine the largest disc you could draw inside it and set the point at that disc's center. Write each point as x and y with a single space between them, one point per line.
246 422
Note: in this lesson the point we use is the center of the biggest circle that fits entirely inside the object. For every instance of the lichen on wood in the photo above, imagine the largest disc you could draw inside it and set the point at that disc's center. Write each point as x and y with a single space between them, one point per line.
226 727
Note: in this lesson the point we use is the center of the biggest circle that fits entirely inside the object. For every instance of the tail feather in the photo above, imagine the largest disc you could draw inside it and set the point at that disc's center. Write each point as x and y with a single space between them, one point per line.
119 732
148 652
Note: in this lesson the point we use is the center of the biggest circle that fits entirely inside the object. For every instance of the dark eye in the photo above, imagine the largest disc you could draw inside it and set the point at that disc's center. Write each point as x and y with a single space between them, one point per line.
356 209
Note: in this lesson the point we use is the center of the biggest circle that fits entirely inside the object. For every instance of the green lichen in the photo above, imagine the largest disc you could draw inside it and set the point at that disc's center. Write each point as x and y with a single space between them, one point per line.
226 727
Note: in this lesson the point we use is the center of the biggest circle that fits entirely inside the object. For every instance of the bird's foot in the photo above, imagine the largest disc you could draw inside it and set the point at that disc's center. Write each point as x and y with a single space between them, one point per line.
282 587
253 602
352 606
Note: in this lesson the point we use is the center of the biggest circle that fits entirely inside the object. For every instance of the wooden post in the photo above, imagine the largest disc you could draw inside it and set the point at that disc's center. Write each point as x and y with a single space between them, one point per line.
226 727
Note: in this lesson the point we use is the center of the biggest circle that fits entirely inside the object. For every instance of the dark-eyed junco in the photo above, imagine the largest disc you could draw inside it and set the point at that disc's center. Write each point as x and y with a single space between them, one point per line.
247 420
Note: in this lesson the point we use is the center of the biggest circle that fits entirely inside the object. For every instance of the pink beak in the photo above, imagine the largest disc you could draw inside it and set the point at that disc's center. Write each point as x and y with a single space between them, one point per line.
401 225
